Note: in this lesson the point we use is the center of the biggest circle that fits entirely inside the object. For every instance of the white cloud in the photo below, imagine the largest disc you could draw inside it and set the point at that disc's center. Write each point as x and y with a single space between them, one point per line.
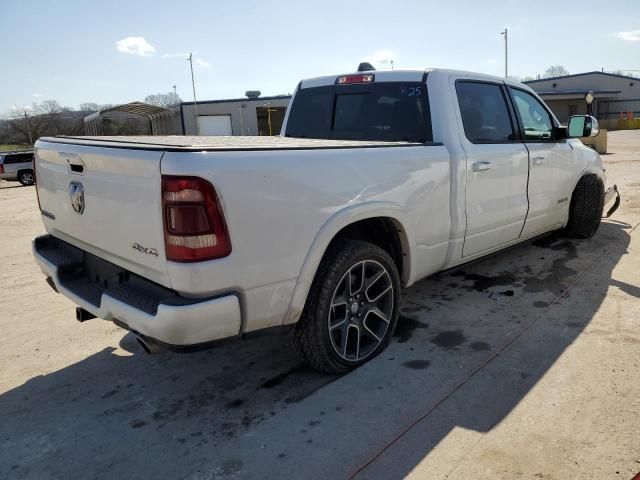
135 46
380 58
177 54
202 63
36 94
632 36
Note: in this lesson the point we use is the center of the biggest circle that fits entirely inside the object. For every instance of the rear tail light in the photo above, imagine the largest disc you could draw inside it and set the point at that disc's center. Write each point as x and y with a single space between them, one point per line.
194 226
355 78
1 168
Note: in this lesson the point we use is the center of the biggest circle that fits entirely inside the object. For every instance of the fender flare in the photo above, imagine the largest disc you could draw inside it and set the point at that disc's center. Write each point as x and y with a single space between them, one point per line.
327 233
591 170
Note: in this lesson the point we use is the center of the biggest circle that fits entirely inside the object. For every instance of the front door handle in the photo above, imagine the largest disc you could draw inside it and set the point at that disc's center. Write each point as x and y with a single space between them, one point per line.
539 160
481 166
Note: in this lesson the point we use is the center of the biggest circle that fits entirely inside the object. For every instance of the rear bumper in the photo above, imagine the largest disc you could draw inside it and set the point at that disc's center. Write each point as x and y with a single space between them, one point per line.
134 302
8 176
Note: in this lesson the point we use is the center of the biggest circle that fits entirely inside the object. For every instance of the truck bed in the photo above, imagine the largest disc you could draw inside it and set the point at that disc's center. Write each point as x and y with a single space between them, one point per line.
222 143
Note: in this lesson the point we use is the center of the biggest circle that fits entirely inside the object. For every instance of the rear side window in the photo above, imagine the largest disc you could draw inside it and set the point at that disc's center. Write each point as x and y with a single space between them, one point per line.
485 115
389 111
18 158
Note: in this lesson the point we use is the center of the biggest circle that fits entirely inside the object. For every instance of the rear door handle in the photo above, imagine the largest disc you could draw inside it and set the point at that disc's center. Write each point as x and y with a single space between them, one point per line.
539 160
481 166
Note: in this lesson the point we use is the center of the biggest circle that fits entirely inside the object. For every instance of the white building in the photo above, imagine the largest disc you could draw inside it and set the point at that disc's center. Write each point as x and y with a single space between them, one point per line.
241 116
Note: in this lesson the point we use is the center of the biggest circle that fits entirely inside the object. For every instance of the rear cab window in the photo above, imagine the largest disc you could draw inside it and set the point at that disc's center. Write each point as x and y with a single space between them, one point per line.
385 111
484 111
17 158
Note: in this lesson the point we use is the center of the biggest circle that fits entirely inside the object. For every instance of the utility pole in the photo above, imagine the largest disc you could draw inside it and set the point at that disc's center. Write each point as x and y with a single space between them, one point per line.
391 64
241 108
26 118
193 84
506 51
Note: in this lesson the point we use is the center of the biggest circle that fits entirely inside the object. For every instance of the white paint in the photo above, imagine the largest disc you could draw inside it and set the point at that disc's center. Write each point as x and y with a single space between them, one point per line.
284 206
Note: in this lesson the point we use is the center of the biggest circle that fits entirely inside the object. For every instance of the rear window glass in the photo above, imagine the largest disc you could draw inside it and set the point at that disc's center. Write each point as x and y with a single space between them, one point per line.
18 158
390 111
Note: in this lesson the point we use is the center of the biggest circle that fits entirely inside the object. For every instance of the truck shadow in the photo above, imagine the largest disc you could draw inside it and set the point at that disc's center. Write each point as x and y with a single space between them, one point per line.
251 409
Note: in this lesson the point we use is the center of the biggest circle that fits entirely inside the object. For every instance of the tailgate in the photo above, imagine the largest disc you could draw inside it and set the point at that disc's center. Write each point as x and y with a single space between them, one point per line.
106 201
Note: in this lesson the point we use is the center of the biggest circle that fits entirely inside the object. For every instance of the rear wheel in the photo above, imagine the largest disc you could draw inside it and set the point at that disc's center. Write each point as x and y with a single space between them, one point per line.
25 177
585 211
352 308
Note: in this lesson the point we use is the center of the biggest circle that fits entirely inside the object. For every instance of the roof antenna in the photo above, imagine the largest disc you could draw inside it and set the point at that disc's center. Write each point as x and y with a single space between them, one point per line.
365 67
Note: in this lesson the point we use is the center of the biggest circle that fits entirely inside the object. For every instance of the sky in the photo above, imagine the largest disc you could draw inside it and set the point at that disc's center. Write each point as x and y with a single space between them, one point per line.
120 51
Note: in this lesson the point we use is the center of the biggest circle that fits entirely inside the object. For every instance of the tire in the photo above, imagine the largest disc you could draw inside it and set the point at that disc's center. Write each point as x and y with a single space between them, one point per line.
25 177
352 308
585 211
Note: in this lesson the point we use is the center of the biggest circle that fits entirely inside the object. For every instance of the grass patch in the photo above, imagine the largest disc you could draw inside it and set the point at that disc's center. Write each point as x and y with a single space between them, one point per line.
4 148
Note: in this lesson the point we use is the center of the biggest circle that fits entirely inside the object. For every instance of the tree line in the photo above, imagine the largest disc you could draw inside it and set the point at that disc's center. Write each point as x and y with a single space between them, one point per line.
23 126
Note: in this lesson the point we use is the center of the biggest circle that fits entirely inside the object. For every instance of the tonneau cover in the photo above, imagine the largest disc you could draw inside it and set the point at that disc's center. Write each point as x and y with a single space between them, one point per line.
198 143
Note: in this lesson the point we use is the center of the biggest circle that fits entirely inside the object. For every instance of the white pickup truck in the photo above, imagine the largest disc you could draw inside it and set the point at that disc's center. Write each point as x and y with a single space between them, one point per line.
378 180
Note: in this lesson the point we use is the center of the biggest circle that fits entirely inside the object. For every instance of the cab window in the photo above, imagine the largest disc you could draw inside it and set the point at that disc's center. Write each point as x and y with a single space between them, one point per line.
535 118
485 115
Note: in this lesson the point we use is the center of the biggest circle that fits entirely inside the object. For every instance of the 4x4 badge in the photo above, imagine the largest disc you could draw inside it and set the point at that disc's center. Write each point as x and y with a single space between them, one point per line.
147 250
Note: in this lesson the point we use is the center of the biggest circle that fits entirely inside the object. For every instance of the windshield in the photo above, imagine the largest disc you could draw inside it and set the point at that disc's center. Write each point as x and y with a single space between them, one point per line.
390 111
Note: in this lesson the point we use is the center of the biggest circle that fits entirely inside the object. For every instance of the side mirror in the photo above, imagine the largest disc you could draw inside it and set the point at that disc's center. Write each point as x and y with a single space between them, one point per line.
582 126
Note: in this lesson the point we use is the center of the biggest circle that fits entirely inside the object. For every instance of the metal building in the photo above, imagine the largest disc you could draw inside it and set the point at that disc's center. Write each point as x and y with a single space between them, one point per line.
135 118
252 115
613 94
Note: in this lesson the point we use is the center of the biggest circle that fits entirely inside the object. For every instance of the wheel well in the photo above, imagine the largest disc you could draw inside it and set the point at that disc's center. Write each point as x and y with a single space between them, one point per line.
381 231
24 170
587 174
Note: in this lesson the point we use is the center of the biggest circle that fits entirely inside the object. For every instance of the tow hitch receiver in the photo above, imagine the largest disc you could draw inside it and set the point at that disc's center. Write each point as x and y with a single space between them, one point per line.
608 195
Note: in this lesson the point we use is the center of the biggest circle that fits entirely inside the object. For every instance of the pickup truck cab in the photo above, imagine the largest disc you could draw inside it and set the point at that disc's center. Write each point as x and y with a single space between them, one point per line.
378 180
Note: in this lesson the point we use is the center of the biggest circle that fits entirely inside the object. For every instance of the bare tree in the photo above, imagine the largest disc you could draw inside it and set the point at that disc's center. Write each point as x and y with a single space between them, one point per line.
26 125
89 107
168 99
555 71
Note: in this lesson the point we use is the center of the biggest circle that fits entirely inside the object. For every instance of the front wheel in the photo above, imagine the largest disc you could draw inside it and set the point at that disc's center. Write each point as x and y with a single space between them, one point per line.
352 308
585 211
26 177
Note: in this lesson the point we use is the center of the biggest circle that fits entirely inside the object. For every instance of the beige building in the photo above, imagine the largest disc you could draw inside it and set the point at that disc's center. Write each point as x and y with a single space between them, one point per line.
613 94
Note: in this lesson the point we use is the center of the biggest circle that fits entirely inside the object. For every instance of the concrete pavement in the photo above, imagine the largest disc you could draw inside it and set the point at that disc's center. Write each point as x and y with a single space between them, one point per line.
523 365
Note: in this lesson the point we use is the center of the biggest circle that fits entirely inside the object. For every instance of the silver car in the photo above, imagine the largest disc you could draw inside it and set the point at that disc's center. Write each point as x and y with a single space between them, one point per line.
17 166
